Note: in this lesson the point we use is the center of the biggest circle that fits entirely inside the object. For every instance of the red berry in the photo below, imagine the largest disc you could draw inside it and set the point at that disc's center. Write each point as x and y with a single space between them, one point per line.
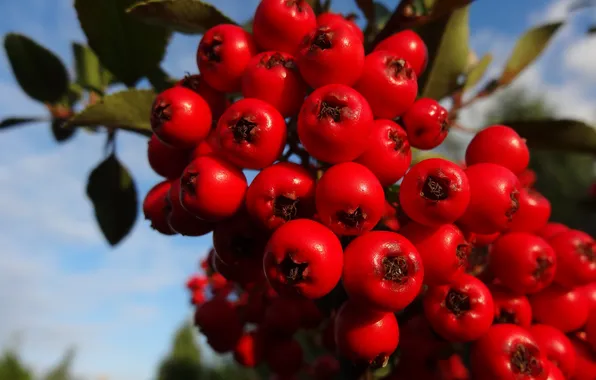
576 258
216 100
328 18
494 199
281 24
196 282
214 315
180 118
556 346
388 154
533 214
590 329
156 208
434 192
181 220
283 317
249 350
251 134
527 178
212 189
284 357
166 161
566 310
551 229
510 307
590 292
383 270
303 258
349 199
222 56
460 312
508 352
585 361
207 147
388 83
331 54
523 262
364 335
228 273
427 123
408 45
198 297
334 124
325 367
499 145
274 78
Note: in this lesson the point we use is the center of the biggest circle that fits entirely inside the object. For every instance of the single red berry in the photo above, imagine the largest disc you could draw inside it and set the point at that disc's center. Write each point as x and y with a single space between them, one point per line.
523 262
434 192
334 124
462 311
325 367
213 316
280 193
156 208
222 56
226 339
182 221
501 145
328 18
349 199
551 229
207 147
556 346
198 297
510 307
408 45
216 100
196 282
281 24
576 258
585 361
180 118
212 189
590 292
249 350
388 154
566 310
365 335
166 161
481 240
274 78
282 317
284 357
508 352
388 83
331 54
427 123
494 199
304 258
527 178
533 214
251 134
382 269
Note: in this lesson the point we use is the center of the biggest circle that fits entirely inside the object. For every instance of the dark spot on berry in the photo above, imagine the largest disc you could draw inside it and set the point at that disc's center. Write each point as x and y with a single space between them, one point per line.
321 40
285 207
457 302
161 113
462 252
351 16
399 142
435 188
524 362
277 59
379 361
353 219
514 205
445 125
543 264
506 316
398 70
211 50
587 250
298 4
293 271
192 82
243 130
188 182
330 110
396 269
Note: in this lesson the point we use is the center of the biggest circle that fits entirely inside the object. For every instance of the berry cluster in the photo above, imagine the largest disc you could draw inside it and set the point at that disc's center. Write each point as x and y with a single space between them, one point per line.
463 257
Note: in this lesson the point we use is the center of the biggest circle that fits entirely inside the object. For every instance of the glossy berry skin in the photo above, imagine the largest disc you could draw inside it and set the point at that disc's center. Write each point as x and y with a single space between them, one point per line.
585 360
382 270
284 357
249 350
251 134
181 220
523 262
510 307
180 118
409 45
280 193
216 100
554 373
349 199
223 53
551 229
303 258
443 249
460 312
166 161
576 258
331 54
501 145
508 352
274 78
364 335
388 83
533 214
427 123
335 123
571 308
388 154
556 346
212 189
494 199
434 192
328 18
281 24
156 208
590 292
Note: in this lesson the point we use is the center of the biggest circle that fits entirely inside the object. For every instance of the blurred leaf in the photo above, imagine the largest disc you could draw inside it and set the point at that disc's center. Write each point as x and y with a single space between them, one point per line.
248 25
185 16
477 72
368 9
527 49
447 40
60 133
579 4
114 196
160 80
15 121
565 135
129 110
90 74
592 29
39 72
382 14
128 48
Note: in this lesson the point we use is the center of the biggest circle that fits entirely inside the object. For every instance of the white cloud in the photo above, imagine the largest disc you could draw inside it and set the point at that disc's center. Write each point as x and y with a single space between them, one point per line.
581 58
556 10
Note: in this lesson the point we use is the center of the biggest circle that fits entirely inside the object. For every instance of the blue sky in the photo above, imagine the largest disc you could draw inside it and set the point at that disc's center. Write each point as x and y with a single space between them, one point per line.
60 283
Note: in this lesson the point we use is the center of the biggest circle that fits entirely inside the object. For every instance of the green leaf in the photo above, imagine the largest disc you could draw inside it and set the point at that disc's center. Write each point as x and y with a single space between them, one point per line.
561 135
382 14
113 193
185 16
15 121
90 74
39 72
527 49
477 72
60 133
129 110
368 9
127 47
248 25
160 80
447 40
